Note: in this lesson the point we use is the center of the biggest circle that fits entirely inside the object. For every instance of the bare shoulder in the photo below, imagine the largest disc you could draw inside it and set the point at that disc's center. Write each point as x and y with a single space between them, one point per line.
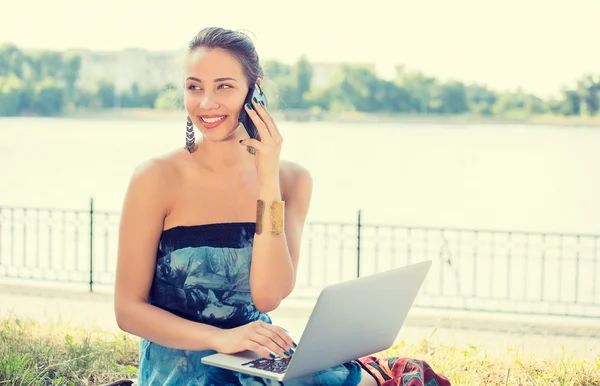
161 169
156 178
295 179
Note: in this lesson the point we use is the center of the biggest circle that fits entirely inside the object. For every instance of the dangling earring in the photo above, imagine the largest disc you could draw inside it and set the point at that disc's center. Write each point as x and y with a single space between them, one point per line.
190 139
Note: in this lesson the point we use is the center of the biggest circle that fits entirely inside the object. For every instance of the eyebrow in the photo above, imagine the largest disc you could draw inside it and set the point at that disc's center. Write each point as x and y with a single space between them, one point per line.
216 80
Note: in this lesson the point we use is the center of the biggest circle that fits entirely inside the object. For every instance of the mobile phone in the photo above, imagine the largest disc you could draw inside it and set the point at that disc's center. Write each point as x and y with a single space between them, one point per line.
244 118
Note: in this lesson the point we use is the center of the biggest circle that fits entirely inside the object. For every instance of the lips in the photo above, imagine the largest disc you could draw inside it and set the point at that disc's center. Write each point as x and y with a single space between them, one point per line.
212 121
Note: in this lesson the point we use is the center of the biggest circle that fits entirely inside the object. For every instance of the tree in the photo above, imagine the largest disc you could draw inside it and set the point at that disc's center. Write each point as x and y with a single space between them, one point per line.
453 98
71 68
107 94
11 60
423 90
303 74
11 91
49 97
277 70
588 89
518 105
571 103
480 99
52 65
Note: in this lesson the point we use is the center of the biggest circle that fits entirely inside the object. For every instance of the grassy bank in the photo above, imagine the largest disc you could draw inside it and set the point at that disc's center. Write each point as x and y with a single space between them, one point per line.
34 354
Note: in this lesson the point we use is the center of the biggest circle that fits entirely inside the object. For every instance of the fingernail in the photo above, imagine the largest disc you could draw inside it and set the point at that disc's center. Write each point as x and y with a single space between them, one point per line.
249 106
262 103
291 351
272 356
287 354
295 345
255 100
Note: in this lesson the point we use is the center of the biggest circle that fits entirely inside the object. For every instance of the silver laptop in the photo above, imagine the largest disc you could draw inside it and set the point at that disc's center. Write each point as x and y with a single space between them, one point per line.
350 319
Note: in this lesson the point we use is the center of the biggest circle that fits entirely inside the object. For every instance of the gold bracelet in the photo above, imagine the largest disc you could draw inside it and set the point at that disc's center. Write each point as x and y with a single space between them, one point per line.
260 209
277 212
277 217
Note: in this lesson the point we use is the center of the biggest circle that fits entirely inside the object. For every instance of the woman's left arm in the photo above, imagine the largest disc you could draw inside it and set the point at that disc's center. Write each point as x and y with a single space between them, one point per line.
275 256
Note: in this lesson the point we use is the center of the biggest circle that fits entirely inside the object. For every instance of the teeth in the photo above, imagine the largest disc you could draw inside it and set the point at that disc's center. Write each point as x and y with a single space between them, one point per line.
212 120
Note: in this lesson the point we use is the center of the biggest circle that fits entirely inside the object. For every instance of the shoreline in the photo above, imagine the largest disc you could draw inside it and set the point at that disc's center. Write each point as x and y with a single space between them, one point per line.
349 117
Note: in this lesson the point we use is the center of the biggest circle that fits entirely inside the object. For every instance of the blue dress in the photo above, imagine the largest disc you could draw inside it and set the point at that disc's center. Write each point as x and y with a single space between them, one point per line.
202 274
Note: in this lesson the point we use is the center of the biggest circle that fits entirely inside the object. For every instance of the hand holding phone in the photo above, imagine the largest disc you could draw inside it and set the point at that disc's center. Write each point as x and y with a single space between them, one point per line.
244 118
267 141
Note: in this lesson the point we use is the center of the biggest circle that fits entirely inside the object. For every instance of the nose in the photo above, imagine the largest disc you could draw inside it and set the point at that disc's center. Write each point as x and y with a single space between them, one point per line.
208 102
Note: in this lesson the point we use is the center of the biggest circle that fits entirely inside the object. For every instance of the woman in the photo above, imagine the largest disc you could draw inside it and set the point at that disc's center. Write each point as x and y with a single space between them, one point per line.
194 219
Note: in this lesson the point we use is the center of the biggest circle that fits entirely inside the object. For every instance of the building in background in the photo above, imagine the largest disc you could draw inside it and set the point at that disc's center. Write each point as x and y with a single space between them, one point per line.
124 68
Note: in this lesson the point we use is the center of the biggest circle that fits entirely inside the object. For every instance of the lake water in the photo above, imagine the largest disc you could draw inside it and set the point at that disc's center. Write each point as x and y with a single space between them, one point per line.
487 176
492 176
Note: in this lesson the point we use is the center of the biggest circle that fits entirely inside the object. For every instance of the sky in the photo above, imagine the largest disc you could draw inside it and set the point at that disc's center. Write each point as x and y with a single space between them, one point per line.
539 46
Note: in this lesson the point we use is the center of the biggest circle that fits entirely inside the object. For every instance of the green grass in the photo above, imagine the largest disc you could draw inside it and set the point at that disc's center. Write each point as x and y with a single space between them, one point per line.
472 365
34 354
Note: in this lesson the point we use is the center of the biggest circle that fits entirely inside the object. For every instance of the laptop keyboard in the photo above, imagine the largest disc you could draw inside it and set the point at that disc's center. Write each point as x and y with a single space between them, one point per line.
277 365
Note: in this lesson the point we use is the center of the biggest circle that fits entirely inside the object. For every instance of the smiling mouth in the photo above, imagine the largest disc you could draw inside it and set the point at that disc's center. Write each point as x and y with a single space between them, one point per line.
212 120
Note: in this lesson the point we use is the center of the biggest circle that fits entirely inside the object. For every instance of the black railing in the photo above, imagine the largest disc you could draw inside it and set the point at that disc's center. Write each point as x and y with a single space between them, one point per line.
474 270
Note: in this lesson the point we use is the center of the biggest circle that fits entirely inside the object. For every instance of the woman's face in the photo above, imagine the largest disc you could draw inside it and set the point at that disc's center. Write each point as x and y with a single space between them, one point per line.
215 90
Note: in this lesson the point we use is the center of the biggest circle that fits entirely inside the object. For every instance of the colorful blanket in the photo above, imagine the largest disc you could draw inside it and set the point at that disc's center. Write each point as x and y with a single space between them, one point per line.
402 372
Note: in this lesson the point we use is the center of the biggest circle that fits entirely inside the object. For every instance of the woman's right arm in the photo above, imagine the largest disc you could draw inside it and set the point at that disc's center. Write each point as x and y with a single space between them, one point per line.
147 202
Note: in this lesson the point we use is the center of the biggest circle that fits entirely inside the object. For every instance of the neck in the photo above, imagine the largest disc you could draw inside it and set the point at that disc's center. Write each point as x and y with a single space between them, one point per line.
224 155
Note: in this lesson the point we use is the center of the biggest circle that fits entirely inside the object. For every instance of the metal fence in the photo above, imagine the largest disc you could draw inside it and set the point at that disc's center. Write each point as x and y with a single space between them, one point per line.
473 270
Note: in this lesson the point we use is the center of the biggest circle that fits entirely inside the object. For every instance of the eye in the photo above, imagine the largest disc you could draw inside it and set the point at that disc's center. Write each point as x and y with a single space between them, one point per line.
192 87
225 86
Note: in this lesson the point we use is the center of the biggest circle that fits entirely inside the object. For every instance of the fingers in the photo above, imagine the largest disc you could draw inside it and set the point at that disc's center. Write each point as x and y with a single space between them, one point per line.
261 110
259 349
258 111
263 131
252 143
266 343
279 337
266 339
274 130
284 336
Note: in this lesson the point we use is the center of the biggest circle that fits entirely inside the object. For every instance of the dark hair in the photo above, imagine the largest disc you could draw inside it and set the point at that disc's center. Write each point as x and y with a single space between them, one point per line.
236 43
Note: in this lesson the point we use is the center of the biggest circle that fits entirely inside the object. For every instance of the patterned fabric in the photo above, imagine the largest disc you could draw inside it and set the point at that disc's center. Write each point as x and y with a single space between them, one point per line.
402 372
202 274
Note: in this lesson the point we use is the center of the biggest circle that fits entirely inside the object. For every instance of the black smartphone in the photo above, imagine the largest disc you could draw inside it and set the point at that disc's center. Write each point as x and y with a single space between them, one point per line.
244 119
